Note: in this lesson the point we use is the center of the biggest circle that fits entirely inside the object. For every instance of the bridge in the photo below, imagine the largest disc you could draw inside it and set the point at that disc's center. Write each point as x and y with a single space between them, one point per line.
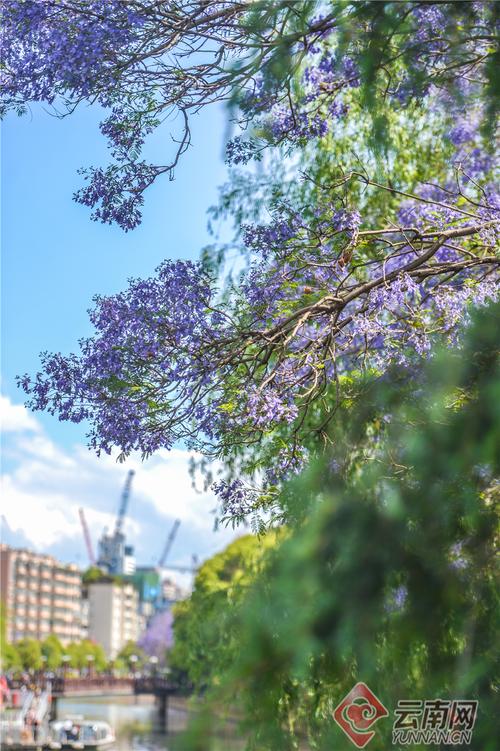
109 686
158 686
97 686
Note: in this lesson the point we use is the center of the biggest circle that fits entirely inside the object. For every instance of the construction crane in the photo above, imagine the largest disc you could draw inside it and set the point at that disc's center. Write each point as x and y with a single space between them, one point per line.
113 551
124 503
169 543
86 535
185 569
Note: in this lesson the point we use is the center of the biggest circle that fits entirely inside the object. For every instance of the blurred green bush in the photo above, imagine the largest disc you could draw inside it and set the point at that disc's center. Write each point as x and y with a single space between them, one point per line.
388 573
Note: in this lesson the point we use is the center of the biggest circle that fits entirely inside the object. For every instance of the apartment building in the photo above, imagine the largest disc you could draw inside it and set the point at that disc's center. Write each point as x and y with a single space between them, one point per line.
41 596
172 592
113 614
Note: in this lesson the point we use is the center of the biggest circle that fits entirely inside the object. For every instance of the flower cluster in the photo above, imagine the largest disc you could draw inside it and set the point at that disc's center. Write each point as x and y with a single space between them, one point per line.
310 115
237 499
126 128
472 175
268 407
105 193
268 238
49 51
151 350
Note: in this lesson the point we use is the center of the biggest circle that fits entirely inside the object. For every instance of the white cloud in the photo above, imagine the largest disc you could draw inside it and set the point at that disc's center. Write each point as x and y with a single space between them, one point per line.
167 486
46 484
39 516
15 418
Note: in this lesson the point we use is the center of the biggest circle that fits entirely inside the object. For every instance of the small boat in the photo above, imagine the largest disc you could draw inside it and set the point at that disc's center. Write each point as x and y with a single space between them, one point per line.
74 732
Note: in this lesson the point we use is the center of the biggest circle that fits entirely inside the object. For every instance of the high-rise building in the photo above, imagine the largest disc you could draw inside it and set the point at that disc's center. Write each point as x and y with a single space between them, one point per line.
148 584
172 592
129 564
155 594
113 614
115 556
41 596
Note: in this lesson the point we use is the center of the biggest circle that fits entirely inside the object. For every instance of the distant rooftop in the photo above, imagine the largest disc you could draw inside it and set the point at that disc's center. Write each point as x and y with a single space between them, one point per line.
37 558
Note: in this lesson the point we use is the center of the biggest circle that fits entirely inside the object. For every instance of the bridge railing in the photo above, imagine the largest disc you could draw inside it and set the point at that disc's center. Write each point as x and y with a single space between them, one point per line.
43 682
153 685
99 683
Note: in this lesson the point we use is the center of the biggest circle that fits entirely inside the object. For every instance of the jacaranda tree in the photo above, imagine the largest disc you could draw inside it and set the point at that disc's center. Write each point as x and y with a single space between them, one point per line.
363 268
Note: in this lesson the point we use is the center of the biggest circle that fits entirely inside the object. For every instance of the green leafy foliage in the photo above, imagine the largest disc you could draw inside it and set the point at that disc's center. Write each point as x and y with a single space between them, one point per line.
125 659
79 652
53 651
50 654
96 574
205 626
11 659
92 574
30 654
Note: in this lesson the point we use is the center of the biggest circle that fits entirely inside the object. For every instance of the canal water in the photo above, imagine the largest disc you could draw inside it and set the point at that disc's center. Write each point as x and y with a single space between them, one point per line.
136 723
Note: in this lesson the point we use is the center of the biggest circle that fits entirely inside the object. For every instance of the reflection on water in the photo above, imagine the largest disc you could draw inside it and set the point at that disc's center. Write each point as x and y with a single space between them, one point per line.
135 725
136 722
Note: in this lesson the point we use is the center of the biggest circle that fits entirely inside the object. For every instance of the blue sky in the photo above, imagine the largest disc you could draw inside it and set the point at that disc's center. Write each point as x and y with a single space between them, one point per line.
54 259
